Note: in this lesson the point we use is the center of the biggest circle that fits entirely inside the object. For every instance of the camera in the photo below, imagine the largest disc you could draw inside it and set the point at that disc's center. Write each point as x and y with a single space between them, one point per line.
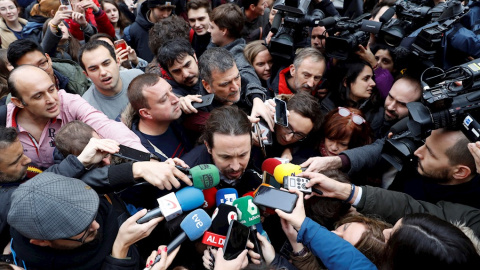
452 102
352 33
289 26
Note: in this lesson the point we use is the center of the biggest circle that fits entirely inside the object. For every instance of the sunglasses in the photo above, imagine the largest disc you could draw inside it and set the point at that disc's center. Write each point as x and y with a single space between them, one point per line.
357 119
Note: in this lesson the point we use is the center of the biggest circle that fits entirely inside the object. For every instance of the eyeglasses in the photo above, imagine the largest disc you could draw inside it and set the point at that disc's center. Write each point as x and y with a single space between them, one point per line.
44 64
297 135
357 119
81 239
84 235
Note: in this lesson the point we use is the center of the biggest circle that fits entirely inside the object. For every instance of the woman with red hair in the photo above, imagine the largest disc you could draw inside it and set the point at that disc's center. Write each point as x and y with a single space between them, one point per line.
344 128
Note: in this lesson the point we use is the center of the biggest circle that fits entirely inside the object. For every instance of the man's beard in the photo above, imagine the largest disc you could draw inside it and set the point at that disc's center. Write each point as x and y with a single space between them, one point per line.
439 177
4 178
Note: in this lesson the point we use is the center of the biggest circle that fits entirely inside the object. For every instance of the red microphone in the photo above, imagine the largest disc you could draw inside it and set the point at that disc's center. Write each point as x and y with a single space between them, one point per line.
269 165
210 195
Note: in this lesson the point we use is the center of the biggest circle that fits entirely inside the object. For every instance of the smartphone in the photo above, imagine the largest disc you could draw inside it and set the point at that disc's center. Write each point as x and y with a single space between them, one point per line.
206 100
66 3
281 112
275 199
132 154
236 240
120 44
266 132
258 133
270 179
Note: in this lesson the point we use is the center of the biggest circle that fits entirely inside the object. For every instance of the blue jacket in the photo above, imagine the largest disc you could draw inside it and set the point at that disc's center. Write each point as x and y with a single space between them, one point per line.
334 252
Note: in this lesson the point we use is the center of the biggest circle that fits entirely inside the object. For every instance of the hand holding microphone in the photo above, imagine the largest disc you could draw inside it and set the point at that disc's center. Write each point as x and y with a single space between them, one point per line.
173 204
193 225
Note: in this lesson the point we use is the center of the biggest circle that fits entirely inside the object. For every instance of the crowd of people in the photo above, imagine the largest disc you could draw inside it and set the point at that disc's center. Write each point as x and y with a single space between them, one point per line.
188 83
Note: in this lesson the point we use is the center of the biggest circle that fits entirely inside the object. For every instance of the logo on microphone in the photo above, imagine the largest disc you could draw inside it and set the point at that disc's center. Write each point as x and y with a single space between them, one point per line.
170 204
207 180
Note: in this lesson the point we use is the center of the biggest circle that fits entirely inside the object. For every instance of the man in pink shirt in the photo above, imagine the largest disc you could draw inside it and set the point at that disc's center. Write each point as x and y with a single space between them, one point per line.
38 109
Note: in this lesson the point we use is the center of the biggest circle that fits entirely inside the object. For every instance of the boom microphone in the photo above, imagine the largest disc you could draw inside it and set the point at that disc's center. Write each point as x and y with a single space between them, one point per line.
193 225
173 204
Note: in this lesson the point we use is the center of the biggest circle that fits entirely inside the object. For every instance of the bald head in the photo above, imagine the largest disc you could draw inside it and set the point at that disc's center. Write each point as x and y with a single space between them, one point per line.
17 78
35 93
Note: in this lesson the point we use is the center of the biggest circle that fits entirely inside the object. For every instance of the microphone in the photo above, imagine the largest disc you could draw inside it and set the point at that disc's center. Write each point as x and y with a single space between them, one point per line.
329 21
277 21
205 176
270 164
221 218
288 169
194 225
173 204
249 215
210 195
387 15
226 196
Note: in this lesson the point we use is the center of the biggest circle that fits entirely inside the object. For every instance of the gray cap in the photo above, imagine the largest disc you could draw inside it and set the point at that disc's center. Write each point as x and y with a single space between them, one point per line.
51 206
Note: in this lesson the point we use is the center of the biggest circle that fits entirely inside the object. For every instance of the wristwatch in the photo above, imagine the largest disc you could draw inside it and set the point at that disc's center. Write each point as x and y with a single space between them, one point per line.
301 253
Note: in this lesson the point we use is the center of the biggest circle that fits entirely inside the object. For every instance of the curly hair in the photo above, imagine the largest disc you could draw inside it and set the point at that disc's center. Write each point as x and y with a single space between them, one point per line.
167 29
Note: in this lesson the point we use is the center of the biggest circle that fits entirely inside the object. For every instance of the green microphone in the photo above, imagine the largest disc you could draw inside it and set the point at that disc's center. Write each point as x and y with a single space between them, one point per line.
248 213
205 176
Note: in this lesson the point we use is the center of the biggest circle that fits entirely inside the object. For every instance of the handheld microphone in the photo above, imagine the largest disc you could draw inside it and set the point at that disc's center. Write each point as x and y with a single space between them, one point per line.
205 176
193 225
226 196
210 195
249 215
221 218
270 164
173 204
288 169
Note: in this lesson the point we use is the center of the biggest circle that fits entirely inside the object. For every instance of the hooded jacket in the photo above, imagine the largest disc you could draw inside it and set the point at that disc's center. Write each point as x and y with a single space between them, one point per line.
137 34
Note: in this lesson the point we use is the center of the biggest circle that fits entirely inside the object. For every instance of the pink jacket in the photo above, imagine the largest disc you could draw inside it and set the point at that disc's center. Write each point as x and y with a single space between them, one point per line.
72 107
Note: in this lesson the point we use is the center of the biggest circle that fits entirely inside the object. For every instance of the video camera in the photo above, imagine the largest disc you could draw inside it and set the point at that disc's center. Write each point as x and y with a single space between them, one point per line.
452 102
289 28
340 46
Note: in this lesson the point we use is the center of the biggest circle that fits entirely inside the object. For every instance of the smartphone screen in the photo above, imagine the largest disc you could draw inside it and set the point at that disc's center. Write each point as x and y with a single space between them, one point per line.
270 179
236 240
66 3
275 198
132 154
266 132
281 112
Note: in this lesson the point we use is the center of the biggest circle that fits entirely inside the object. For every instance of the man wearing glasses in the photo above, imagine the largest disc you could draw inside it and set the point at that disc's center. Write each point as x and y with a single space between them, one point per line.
62 223
65 74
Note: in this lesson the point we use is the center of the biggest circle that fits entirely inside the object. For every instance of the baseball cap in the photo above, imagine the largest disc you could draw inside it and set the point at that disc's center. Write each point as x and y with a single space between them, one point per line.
161 3
51 206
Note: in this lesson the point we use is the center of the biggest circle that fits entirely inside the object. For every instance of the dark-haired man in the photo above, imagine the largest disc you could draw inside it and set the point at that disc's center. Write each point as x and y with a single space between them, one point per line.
150 12
227 143
65 74
197 12
108 93
256 18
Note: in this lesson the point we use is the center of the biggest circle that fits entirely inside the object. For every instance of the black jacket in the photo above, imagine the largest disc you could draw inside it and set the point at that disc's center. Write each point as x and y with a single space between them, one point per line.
137 34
